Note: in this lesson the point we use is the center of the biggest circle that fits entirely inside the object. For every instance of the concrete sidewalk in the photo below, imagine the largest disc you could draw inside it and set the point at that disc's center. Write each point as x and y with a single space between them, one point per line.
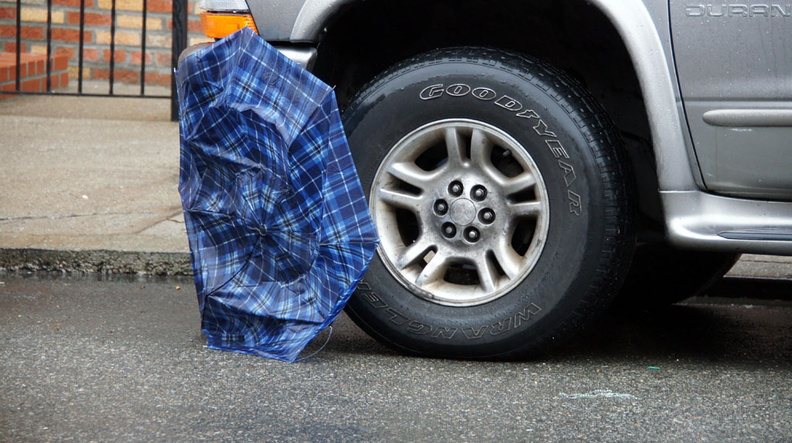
90 184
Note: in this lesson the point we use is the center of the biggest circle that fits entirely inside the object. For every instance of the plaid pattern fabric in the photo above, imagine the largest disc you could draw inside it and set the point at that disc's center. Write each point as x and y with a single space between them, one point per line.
277 221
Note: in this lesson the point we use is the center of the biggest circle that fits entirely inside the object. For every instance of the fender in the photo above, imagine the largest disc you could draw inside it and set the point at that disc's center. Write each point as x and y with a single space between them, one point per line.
652 64
295 20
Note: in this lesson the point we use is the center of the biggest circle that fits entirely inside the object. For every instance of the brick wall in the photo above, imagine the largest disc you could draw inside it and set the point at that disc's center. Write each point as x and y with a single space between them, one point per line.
32 73
128 54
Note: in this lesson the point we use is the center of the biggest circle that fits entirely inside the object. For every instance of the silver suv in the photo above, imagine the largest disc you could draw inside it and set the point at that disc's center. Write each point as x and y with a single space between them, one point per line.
529 161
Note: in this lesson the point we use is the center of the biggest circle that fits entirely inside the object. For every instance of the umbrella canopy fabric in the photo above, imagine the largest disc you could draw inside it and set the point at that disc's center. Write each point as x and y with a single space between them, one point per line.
278 224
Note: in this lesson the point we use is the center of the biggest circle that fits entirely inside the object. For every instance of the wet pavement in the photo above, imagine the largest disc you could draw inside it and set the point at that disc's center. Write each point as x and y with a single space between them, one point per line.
108 359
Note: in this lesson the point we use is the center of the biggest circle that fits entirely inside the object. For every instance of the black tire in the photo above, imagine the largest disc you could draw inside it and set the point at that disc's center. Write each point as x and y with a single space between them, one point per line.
574 230
661 275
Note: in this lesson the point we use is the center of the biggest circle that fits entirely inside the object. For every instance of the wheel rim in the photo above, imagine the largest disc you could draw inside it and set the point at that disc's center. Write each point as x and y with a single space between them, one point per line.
462 212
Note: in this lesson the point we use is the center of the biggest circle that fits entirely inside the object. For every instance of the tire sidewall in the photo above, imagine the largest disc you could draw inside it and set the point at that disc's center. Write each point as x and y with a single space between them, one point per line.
526 109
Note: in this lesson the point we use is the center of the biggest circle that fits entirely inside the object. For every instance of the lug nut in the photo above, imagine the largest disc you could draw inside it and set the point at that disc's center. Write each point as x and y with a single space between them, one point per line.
455 188
487 215
478 193
441 207
472 235
449 230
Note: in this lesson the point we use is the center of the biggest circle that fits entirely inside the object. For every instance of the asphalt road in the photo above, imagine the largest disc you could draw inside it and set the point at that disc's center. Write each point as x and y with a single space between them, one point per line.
91 359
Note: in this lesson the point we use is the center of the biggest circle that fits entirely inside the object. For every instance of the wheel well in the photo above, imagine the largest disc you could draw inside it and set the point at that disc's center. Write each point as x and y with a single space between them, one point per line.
369 36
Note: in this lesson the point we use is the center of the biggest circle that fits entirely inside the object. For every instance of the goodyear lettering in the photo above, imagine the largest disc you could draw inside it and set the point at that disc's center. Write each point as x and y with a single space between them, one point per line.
528 113
509 103
557 149
541 128
485 94
569 173
431 92
575 206
458 90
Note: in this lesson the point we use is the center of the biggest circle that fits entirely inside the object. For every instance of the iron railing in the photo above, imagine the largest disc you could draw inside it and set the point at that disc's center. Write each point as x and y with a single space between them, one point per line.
179 43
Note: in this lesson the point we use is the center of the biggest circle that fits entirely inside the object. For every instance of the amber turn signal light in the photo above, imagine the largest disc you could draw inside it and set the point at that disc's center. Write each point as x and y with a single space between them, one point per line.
219 25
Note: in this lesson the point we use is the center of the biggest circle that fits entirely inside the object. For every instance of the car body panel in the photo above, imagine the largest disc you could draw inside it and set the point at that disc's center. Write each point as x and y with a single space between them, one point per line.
293 20
735 73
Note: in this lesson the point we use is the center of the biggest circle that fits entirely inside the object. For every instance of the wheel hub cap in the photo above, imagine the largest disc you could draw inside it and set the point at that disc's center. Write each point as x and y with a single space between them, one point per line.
462 212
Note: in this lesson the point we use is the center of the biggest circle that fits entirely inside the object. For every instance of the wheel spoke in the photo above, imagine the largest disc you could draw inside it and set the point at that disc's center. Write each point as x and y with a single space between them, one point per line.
520 183
486 273
400 199
456 147
411 174
481 149
412 253
508 259
526 209
434 271
481 156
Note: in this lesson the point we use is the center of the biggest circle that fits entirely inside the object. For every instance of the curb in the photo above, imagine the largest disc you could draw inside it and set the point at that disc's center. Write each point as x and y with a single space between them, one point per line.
96 261
112 262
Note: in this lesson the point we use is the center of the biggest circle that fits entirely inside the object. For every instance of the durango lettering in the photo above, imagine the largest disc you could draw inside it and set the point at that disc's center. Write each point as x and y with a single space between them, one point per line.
739 10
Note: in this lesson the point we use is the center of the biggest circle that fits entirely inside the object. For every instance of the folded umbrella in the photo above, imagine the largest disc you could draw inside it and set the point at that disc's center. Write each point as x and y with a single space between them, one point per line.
278 224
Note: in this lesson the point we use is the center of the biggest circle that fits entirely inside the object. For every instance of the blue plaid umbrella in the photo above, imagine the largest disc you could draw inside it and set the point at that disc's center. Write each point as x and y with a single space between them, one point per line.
278 225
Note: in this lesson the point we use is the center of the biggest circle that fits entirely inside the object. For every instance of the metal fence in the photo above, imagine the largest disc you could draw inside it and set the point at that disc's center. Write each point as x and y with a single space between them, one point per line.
109 27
